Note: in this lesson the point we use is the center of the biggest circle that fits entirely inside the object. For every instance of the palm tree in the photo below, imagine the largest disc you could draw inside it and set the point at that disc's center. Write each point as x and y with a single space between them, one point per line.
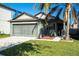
46 7
69 9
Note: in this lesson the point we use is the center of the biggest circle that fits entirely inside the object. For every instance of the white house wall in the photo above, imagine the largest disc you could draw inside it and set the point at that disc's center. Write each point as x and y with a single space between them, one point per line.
5 15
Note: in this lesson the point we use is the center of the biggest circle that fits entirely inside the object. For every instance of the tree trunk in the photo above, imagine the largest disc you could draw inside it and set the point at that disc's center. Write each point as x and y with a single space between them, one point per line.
67 28
67 34
64 30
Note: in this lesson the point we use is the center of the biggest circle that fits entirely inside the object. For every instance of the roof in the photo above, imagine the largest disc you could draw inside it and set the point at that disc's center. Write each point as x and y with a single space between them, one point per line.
58 20
7 7
26 14
39 13
43 16
55 19
23 19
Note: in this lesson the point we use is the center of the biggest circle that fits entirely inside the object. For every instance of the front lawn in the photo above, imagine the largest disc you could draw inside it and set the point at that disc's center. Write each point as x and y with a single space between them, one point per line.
44 48
4 35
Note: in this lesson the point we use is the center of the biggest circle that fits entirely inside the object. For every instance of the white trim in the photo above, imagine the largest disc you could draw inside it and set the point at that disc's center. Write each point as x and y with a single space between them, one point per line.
11 29
23 22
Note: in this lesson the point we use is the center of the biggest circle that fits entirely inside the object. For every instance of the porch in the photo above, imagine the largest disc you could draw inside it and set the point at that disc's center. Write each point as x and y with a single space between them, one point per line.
53 29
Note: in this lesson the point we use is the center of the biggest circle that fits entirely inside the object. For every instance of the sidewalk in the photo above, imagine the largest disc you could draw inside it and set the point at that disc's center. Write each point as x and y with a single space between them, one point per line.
12 41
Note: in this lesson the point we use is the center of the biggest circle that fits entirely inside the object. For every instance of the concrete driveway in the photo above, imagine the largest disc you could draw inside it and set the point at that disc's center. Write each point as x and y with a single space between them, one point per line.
12 41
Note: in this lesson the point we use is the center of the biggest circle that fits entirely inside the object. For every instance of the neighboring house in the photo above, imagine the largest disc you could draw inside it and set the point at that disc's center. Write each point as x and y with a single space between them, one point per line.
74 29
6 14
23 24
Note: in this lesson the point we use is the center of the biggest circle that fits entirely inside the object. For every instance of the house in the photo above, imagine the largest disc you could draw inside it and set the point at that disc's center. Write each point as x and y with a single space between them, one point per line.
58 24
6 14
74 29
55 24
23 24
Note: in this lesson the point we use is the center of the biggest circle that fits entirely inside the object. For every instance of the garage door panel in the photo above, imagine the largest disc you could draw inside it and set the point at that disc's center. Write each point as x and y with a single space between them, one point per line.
24 30
16 30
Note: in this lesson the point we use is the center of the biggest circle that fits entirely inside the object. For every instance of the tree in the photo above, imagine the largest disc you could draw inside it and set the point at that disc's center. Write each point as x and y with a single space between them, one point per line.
68 11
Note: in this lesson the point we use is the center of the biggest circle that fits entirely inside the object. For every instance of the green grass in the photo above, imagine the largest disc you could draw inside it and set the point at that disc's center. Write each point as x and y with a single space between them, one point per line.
4 35
44 48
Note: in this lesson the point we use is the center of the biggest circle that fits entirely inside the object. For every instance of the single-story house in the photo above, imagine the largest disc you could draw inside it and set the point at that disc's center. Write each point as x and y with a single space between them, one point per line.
55 24
6 14
23 24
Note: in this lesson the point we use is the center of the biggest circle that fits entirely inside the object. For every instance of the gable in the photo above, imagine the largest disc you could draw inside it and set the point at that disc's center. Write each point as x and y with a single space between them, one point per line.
24 16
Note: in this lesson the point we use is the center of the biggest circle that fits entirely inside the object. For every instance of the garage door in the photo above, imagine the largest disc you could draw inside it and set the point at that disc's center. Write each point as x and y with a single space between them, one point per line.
24 30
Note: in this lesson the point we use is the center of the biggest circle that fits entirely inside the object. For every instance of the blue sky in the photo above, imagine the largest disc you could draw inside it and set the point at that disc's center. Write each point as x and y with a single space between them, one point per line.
23 7
29 8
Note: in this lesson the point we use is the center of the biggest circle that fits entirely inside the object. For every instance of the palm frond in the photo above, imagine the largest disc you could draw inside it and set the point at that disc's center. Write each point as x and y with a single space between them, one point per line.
51 12
65 16
41 6
46 7
34 27
50 4
48 15
53 9
77 4
74 14
68 6
34 6
59 12
70 16
78 14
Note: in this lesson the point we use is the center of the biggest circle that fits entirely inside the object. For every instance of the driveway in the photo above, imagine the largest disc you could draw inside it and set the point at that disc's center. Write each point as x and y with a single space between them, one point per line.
12 41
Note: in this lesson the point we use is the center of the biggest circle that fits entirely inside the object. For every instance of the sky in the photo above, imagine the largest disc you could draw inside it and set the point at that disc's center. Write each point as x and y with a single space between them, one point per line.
23 7
29 8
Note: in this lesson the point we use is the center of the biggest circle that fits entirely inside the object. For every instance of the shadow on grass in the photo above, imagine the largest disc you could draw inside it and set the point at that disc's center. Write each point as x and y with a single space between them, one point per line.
21 50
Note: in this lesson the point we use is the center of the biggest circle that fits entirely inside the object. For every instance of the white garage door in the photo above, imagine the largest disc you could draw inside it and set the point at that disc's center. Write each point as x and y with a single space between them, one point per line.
24 30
